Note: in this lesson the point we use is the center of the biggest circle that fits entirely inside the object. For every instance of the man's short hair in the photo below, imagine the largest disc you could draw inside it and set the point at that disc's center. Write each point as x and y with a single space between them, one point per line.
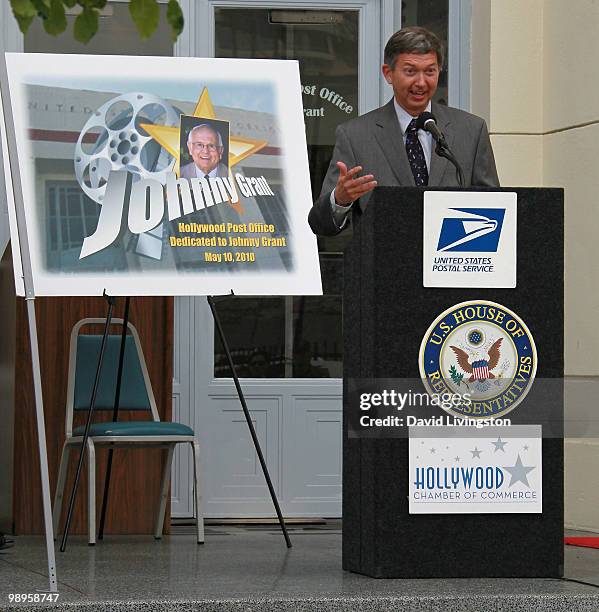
413 40
205 126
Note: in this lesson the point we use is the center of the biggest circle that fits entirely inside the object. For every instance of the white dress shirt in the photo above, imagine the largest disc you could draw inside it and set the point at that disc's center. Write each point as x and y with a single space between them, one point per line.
340 213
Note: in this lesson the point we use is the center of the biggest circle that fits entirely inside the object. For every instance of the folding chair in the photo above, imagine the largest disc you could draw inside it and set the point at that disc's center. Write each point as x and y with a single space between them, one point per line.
136 394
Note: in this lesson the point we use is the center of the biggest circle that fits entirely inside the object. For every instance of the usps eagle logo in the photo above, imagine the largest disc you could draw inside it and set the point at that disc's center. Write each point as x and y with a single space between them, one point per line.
471 229
481 349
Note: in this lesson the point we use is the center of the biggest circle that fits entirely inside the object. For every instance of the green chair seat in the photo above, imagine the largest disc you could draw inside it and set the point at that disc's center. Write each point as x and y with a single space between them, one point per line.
136 428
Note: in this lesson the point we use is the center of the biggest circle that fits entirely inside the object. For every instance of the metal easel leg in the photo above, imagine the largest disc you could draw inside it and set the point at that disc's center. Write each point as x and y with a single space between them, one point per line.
41 436
82 450
23 241
248 418
115 416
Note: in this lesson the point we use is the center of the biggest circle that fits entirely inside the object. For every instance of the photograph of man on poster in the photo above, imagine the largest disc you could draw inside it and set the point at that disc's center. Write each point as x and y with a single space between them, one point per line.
204 147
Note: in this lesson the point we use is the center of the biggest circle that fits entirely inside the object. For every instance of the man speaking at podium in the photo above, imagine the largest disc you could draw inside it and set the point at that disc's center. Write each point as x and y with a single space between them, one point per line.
385 146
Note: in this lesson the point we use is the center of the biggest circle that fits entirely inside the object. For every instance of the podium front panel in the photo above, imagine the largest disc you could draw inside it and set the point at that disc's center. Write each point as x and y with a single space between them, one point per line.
387 311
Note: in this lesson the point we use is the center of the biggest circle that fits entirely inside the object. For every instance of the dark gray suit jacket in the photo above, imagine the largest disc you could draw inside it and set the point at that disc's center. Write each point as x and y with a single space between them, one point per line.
375 142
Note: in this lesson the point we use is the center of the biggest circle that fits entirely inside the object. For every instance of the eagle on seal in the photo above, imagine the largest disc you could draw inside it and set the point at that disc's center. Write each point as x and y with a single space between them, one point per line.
481 369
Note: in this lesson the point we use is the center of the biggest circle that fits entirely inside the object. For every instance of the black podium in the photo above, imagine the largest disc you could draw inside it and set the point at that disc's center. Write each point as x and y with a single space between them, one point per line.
386 313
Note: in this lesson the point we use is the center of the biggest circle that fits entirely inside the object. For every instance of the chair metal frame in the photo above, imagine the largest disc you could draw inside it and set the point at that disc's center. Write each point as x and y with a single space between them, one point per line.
166 442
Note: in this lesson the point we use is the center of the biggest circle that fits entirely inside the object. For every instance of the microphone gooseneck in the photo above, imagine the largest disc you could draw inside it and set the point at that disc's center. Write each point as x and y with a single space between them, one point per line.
426 121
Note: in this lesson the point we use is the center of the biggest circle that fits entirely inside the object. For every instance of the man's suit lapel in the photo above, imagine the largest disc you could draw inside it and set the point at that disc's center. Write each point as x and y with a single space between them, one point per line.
388 135
439 164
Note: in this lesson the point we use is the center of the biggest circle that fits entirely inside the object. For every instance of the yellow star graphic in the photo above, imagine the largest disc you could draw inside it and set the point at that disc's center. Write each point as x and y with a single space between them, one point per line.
169 136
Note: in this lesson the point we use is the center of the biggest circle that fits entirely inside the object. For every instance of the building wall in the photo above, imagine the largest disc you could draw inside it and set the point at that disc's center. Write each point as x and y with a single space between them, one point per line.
571 152
136 473
533 66
7 388
570 156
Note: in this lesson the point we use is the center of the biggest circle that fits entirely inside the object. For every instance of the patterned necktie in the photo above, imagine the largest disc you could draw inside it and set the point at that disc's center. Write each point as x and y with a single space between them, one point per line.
416 155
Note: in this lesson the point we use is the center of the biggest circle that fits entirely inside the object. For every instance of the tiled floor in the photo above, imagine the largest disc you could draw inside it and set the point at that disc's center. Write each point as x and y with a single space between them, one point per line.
249 568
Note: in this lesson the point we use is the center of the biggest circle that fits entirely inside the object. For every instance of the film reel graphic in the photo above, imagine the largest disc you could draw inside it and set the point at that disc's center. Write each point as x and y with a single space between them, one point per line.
113 139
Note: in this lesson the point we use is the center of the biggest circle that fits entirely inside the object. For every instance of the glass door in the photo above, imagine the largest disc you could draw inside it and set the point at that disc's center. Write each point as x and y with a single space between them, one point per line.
303 336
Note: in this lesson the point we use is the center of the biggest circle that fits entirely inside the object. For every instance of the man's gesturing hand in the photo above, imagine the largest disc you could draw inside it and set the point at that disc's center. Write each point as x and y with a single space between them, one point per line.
350 186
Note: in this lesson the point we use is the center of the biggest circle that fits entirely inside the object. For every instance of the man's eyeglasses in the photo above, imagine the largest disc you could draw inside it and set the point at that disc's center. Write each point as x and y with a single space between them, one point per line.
211 148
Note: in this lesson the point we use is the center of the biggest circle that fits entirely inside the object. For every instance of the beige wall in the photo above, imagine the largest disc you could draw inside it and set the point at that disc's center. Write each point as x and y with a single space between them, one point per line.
507 61
571 160
534 80
571 156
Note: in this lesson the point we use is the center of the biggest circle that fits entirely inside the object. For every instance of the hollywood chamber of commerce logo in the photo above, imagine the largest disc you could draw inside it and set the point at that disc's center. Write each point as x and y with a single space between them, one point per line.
471 229
482 349
463 475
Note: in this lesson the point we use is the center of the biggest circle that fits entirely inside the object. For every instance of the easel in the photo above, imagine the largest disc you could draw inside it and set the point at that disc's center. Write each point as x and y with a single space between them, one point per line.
29 290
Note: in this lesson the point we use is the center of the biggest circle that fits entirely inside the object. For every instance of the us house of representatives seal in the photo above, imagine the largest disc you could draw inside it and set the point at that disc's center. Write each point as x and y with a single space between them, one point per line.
481 349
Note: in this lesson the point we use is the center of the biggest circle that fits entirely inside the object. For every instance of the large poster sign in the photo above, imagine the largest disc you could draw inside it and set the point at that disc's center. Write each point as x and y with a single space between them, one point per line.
161 176
466 470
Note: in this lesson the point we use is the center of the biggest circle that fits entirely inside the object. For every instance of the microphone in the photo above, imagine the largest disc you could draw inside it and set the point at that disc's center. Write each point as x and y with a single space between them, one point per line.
426 121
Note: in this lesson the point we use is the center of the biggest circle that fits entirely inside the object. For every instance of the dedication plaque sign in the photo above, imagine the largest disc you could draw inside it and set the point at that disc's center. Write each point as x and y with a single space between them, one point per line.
160 176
